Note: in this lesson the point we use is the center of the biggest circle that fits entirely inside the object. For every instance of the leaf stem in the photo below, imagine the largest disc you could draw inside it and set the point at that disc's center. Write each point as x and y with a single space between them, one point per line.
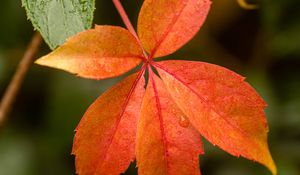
128 24
160 118
124 17
16 82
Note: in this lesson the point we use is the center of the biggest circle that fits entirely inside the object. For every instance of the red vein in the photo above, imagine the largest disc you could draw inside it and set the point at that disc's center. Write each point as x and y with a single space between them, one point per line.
112 57
141 73
161 122
167 32
202 99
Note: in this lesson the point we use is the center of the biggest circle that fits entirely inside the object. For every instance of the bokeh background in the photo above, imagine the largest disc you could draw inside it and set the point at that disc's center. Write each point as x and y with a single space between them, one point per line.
263 45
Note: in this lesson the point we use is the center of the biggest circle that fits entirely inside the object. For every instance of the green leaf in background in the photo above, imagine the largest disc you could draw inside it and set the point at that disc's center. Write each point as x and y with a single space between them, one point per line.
57 20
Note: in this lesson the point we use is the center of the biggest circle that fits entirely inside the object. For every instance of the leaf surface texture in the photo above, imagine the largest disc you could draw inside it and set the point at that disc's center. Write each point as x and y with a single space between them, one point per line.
57 20
105 137
164 147
166 25
99 53
225 110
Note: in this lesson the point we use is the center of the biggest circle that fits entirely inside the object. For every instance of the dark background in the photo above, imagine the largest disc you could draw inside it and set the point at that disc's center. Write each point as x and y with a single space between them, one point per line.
262 45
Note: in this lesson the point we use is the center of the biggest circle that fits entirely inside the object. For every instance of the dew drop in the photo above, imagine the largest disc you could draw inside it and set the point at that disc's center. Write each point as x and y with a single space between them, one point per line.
184 122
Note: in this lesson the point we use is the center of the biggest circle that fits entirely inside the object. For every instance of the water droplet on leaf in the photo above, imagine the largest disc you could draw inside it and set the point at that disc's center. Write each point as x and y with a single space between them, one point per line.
184 122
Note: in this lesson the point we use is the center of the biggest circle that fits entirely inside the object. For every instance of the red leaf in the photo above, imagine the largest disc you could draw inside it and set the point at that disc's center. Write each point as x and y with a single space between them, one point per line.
99 53
165 26
225 110
216 101
105 138
164 147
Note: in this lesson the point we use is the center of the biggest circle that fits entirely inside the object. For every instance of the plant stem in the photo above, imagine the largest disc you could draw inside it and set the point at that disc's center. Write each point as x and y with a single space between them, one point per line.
128 24
16 82
124 17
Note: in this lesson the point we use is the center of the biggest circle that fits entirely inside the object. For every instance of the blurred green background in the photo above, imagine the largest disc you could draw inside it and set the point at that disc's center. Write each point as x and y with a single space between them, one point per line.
263 45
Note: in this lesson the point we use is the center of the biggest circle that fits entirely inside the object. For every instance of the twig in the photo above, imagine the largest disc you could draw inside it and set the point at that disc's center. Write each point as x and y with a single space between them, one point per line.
16 82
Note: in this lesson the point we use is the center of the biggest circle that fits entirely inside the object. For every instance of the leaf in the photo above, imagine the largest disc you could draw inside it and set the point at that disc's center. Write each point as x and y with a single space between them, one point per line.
244 4
163 146
165 26
57 20
105 137
99 53
217 102
225 110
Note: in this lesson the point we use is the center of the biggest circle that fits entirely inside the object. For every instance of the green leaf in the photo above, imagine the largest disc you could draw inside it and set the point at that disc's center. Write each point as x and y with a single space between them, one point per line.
57 20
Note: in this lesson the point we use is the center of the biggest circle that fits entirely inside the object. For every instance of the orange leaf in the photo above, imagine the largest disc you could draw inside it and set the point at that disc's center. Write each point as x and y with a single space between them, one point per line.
164 147
165 26
105 137
225 110
99 53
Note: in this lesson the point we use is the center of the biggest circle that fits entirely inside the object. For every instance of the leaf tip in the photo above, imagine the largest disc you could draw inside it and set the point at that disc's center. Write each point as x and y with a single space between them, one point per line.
40 61
48 61
272 167
268 162
246 5
43 61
